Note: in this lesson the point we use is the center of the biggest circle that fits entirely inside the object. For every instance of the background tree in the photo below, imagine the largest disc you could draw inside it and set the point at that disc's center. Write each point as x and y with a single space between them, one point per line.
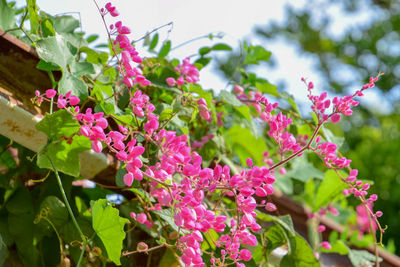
346 58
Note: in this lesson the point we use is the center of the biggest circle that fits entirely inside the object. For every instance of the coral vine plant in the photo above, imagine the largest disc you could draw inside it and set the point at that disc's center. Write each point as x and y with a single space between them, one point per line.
202 209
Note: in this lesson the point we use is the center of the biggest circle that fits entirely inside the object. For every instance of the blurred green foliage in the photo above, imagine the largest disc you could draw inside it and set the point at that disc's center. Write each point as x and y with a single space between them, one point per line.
360 51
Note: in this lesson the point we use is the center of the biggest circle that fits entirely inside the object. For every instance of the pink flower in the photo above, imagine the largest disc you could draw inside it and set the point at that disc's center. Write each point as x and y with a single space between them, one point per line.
50 93
249 162
373 198
97 146
128 179
245 255
326 245
61 103
270 207
238 89
321 228
335 118
171 81
141 218
74 100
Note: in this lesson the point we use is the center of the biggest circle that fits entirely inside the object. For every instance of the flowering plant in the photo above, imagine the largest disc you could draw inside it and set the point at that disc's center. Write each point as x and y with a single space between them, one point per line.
197 171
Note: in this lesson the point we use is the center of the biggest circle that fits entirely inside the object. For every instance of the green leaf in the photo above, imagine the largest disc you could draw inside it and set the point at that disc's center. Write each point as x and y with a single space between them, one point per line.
47 28
154 42
202 62
195 88
284 183
330 137
230 99
119 177
303 170
22 228
54 50
168 216
301 255
256 54
109 226
221 47
3 251
57 212
267 88
245 145
7 14
165 49
58 124
81 206
65 156
101 91
309 192
74 42
337 247
275 238
33 15
166 114
211 236
168 259
20 202
362 258
304 129
258 254
70 82
79 69
285 221
66 24
108 106
93 56
47 66
290 99
6 160
330 188
20 225
244 111
204 50
91 38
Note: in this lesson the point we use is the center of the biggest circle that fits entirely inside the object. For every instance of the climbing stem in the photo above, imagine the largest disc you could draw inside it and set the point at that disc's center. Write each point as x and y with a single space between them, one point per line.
84 240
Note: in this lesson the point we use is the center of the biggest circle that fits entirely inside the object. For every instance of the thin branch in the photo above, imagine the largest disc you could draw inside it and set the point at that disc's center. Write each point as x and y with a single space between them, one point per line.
171 24
127 253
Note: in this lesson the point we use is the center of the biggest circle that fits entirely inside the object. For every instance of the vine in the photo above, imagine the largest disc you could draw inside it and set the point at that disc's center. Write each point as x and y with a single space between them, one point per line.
196 174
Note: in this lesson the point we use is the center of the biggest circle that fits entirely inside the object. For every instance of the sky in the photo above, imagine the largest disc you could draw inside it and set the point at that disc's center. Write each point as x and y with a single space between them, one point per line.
192 18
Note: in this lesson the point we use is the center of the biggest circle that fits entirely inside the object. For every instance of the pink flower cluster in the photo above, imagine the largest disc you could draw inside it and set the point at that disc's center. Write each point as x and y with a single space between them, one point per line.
141 107
129 56
359 189
175 158
277 123
194 216
203 109
191 214
327 151
341 105
62 100
93 126
187 73
202 142
319 103
141 218
111 9
363 219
